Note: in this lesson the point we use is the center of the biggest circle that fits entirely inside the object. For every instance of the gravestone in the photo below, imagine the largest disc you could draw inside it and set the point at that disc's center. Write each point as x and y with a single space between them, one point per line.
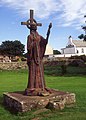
36 94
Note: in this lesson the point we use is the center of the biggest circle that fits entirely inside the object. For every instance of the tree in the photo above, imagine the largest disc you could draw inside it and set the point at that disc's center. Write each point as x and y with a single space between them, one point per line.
56 52
25 55
15 48
82 37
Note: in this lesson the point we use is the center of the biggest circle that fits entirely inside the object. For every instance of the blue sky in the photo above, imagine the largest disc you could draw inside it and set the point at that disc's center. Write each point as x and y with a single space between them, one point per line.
66 16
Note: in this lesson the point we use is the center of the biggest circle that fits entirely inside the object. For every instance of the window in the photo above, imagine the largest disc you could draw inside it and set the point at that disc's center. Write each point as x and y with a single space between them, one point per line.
82 50
77 51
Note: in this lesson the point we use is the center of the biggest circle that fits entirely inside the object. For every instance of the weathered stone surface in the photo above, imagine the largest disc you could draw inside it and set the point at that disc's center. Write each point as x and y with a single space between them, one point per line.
21 103
58 105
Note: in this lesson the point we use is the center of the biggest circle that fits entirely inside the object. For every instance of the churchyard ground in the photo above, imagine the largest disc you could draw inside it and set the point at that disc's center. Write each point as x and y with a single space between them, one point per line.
73 81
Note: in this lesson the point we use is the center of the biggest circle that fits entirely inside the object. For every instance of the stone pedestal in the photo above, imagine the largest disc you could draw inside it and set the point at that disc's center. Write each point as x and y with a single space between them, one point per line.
21 103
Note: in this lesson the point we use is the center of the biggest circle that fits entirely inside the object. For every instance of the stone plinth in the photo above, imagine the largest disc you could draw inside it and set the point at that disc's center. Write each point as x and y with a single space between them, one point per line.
21 103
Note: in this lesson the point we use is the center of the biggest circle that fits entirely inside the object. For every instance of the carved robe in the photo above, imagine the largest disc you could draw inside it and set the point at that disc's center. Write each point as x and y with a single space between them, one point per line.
36 46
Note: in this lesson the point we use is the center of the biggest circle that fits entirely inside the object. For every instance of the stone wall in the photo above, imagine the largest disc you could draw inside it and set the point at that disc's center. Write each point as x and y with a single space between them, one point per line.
13 65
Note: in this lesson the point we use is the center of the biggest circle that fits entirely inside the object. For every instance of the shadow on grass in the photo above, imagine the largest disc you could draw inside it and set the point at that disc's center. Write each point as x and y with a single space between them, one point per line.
1 100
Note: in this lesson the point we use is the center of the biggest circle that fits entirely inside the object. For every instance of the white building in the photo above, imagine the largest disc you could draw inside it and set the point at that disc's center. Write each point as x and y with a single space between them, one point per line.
74 47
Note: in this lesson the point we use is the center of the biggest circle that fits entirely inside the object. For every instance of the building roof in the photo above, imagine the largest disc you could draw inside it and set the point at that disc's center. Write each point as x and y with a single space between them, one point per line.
79 43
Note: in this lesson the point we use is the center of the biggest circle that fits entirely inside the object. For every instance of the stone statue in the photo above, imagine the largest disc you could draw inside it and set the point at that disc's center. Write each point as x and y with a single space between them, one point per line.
36 46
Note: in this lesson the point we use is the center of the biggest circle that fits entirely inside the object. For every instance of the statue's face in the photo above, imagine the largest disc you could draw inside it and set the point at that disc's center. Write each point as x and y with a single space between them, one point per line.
33 27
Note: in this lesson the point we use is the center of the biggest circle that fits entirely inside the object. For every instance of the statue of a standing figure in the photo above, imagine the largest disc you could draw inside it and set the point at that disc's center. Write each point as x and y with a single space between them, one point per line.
36 46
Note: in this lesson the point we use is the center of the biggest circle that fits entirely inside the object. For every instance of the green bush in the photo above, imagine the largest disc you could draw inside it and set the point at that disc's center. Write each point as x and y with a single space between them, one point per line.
64 69
82 57
77 62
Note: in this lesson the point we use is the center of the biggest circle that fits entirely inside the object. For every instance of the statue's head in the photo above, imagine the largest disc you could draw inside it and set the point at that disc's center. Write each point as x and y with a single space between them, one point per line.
33 26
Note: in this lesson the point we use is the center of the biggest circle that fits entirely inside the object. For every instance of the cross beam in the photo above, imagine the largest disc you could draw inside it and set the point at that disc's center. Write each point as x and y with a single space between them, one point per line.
31 21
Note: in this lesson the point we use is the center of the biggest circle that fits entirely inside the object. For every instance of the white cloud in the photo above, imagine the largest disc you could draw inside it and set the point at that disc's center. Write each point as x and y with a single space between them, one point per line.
43 8
68 12
73 11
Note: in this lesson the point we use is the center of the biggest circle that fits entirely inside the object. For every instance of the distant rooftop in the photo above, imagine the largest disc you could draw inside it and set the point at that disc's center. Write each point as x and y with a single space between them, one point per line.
79 43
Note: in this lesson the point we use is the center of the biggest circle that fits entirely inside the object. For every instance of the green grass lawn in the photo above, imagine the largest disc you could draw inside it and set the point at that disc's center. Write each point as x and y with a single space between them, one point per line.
11 81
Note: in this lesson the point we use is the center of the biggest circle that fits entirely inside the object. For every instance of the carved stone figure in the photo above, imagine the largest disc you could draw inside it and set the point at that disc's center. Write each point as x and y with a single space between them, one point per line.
36 46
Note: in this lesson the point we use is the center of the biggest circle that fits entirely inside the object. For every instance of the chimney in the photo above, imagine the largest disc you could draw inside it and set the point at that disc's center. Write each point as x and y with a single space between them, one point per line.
70 38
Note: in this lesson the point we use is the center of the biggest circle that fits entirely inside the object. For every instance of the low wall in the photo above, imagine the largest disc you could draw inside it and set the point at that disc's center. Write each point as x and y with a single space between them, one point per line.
13 65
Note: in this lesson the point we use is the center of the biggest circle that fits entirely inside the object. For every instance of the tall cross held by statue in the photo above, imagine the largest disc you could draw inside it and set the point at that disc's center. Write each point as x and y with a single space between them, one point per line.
31 21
